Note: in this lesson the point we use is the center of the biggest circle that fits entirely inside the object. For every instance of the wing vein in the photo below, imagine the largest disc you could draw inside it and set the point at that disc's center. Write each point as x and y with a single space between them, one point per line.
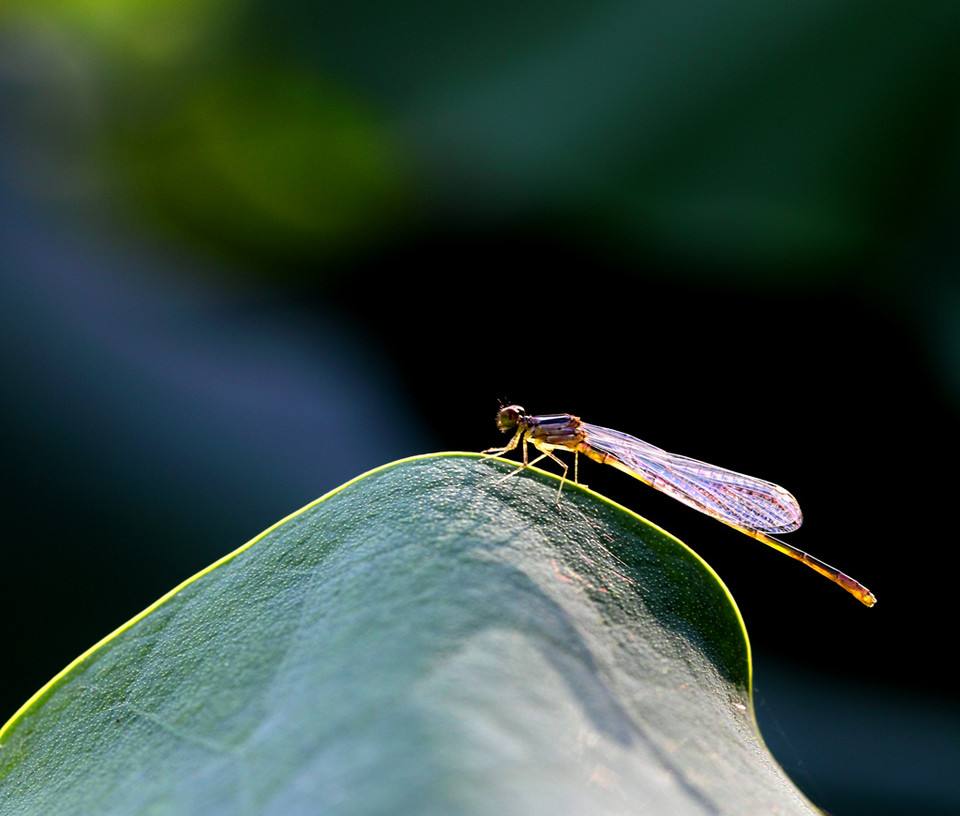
731 497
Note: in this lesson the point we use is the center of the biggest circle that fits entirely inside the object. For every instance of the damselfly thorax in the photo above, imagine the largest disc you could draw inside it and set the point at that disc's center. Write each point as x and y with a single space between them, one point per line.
753 506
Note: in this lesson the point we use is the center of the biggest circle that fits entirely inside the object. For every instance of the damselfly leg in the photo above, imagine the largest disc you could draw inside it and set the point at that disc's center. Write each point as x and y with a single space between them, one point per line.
506 448
522 466
546 452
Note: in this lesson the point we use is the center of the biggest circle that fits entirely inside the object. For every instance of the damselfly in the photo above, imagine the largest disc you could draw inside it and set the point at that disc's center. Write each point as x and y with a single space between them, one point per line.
753 506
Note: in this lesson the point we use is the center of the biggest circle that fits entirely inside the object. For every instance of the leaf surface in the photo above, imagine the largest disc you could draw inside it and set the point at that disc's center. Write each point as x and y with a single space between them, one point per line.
421 640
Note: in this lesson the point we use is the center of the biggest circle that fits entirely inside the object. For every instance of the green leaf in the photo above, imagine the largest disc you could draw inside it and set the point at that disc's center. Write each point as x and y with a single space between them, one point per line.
421 640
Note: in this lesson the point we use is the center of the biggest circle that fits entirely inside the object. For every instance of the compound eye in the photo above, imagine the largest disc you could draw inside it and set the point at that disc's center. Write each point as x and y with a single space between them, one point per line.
508 417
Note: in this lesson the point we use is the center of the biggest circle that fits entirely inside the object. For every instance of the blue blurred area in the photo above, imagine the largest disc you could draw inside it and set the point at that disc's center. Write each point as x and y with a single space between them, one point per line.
154 421
249 250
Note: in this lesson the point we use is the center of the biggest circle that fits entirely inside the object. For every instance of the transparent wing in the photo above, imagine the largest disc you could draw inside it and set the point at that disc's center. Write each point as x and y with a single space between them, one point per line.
731 497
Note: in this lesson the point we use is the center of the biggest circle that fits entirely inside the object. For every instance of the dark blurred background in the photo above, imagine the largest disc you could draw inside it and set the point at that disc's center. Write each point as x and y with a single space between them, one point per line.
249 250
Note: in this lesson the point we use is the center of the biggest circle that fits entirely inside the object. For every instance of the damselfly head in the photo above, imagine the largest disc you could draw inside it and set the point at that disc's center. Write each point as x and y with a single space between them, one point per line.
509 417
